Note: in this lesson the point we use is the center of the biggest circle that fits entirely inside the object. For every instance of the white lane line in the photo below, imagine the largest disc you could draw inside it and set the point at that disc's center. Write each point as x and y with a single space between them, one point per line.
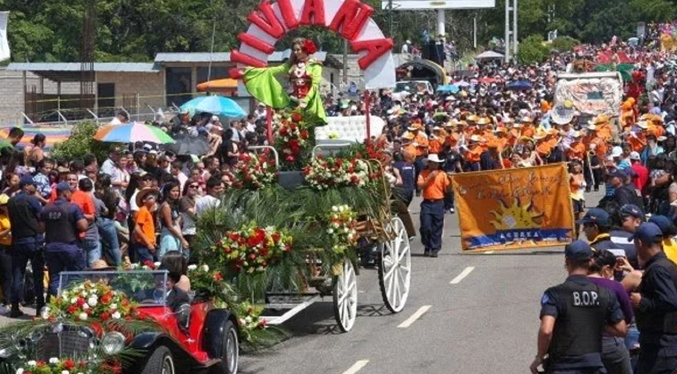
356 367
414 316
463 274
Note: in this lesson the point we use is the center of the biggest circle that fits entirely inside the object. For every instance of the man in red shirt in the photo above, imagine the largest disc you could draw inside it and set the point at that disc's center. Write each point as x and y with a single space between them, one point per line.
641 170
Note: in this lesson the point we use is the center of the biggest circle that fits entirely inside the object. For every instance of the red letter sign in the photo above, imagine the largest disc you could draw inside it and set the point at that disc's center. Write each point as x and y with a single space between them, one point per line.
287 11
270 24
349 18
256 43
375 49
313 13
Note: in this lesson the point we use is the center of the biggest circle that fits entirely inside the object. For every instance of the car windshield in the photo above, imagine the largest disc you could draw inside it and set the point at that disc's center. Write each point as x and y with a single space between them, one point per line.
146 287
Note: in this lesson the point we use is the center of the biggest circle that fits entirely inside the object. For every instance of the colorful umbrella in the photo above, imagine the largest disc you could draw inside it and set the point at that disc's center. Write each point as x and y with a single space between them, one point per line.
132 133
53 134
218 105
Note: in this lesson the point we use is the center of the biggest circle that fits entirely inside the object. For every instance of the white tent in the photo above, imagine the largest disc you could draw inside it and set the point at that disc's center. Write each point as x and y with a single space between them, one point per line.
488 55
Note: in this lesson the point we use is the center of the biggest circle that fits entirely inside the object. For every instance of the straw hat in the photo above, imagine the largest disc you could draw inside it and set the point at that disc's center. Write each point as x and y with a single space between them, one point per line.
471 118
101 265
601 119
141 195
527 119
500 130
408 136
483 121
577 134
643 125
476 138
540 134
415 125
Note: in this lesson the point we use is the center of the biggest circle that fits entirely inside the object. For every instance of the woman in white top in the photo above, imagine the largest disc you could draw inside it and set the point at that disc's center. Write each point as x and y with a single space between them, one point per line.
187 209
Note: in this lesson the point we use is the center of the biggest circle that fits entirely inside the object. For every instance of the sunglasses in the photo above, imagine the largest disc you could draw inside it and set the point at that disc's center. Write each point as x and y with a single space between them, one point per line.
193 186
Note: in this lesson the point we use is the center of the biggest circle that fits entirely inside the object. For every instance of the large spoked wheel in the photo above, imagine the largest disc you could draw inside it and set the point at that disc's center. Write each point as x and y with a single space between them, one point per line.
394 272
345 297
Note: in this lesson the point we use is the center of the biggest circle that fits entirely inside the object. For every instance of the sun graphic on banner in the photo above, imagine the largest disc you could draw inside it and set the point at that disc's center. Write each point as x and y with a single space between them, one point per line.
516 216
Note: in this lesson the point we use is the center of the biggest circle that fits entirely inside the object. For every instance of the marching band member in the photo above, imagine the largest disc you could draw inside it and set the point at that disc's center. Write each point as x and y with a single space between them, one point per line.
473 152
637 138
603 127
436 141
576 150
528 128
434 183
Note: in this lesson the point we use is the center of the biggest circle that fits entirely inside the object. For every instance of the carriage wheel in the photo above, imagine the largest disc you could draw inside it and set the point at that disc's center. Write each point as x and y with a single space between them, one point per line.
345 297
394 272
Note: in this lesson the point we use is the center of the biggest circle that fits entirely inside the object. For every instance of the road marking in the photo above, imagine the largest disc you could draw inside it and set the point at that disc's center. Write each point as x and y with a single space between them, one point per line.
414 316
356 367
463 274
489 252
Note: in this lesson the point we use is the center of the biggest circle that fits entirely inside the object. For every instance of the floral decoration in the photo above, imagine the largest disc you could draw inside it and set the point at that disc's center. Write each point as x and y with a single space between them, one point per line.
90 300
64 366
208 282
248 318
292 137
253 248
254 171
329 172
342 223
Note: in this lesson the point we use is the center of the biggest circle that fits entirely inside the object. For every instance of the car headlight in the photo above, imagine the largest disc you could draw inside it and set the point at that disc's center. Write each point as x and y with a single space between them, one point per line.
113 342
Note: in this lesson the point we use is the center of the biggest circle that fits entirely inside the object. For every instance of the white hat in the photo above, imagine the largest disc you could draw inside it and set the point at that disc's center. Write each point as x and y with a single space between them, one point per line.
435 158
634 155
642 125
408 41
616 151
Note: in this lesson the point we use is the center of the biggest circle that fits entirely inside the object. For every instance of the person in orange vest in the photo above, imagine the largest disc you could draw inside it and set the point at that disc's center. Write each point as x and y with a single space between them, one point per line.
436 140
453 136
637 139
482 129
595 143
421 144
434 184
501 138
603 128
543 147
528 128
408 144
515 134
576 150
473 152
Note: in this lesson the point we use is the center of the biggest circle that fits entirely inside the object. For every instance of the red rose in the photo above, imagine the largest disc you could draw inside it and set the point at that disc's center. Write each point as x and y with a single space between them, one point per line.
292 126
308 47
263 252
218 276
81 301
69 364
105 316
283 131
358 156
262 323
296 117
290 158
276 237
72 309
252 256
234 236
354 179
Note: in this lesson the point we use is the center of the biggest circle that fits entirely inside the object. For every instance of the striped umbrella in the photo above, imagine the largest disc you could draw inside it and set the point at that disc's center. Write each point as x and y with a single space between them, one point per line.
53 134
132 133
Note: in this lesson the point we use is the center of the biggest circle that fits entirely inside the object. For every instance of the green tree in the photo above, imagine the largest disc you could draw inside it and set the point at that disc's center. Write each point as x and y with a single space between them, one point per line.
531 50
564 43
81 142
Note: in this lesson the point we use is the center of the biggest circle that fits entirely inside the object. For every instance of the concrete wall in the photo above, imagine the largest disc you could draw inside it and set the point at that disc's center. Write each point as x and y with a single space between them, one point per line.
149 86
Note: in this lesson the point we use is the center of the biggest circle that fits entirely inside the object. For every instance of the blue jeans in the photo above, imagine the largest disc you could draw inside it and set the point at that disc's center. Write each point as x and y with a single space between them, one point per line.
143 254
109 240
21 254
62 257
432 224
91 249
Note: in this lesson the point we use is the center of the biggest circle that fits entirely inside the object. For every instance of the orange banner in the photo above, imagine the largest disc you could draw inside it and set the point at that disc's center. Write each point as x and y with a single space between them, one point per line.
514 208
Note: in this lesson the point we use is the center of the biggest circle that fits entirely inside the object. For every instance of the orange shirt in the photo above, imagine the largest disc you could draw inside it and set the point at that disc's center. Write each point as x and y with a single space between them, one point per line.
528 131
604 131
544 148
144 219
474 152
452 140
421 144
657 131
577 150
85 202
436 188
435 145
637 143
601 147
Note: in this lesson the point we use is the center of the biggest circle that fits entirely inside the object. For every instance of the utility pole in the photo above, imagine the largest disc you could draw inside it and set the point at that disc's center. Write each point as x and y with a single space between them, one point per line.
510 33
474 33
507 31
514 29
345 61
390 18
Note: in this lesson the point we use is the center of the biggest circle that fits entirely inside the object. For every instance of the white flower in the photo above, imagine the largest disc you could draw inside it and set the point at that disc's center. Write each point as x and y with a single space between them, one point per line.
156 264
64 295
83 316
65 372
248 319
31 363
74 300
113 306
116 315
85 306
20 371
84 294
53 360
330 231
192 267
334 208
92 301
205 268
44 314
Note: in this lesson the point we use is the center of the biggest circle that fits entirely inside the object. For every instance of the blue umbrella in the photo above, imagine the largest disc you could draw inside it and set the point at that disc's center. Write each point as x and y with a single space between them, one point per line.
218 105
447 88
519 86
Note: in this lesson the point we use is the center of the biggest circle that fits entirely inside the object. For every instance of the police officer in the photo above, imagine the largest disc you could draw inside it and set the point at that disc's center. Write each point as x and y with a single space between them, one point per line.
596 226
404 163
24 211
573 316
655 303
434 183
62 221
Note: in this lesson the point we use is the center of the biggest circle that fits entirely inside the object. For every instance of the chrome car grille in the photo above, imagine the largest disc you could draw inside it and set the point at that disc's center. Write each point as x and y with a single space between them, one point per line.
72 341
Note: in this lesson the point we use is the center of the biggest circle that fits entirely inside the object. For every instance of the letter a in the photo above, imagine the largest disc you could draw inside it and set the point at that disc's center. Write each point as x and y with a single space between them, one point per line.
375 49
313 13
287 11
269 22
349 20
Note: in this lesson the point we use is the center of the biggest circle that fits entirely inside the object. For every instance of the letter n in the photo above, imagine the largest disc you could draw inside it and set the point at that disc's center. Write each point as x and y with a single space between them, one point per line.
375 49
269 22
350 18
313 13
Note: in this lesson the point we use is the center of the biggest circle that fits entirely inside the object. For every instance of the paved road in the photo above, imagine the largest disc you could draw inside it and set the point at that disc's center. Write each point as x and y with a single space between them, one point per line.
486 323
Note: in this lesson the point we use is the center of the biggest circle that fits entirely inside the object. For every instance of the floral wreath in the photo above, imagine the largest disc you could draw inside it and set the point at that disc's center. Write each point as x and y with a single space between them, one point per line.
308 47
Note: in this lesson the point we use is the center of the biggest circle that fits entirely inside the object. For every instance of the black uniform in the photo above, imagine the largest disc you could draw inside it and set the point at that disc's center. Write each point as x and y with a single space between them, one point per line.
581 310
657 317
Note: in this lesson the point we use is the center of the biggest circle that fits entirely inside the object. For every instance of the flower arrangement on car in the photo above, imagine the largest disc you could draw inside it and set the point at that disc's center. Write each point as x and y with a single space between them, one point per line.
292 137
67 366
330 172
254 171
252 249
342 223
90 300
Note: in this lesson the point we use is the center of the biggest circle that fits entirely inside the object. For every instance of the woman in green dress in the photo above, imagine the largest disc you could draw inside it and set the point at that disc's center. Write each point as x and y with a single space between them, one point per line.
304 74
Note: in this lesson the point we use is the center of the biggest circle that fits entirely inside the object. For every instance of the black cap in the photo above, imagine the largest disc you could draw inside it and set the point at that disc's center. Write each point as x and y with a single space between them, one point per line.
578 250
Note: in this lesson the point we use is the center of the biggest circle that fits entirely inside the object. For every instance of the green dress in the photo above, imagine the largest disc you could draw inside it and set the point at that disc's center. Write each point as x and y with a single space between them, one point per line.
264 86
